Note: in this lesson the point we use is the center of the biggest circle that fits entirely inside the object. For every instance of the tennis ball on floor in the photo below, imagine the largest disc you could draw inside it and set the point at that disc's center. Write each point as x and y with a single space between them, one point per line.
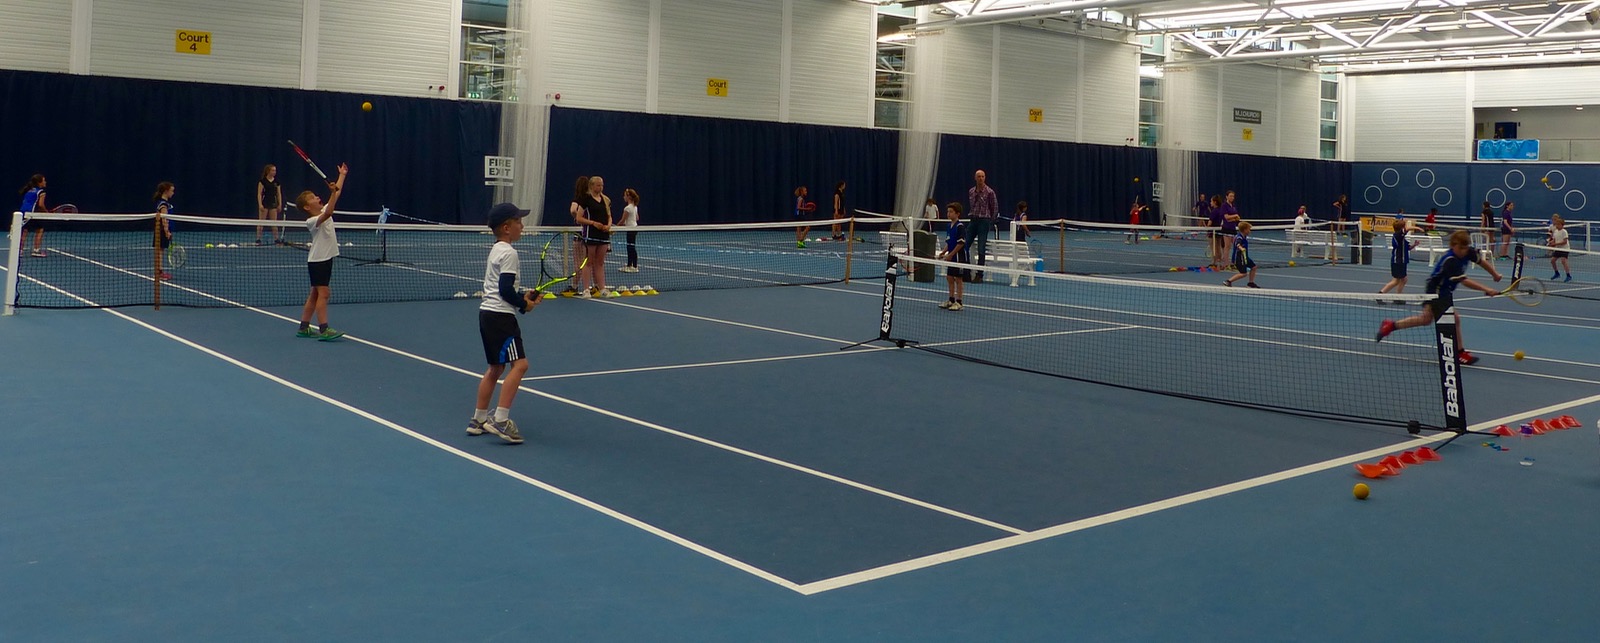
1518 356
366 106
1361 491
210 245
1291 264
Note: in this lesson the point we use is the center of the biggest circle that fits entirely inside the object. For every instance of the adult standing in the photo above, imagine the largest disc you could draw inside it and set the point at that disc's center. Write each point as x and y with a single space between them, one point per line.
269 202
838 211
594 215
1230 223
983 207
1508 230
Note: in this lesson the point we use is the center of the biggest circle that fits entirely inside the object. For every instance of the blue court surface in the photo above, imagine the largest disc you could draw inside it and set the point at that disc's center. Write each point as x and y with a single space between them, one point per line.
709 465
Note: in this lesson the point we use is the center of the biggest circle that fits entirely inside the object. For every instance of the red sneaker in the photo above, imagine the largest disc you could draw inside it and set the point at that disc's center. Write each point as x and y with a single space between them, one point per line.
1466 359
1384 329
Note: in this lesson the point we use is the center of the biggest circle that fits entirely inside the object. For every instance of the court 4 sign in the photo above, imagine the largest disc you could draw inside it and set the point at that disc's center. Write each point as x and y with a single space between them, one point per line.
193 42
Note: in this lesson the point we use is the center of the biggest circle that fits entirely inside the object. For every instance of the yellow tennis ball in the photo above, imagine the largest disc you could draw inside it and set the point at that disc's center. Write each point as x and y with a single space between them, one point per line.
1361 491
366 107
1518 356
1545 180
1136 179
209 245
1291 264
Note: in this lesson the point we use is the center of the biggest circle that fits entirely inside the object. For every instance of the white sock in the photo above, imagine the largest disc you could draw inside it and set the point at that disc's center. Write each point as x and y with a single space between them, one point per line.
480 414
501 414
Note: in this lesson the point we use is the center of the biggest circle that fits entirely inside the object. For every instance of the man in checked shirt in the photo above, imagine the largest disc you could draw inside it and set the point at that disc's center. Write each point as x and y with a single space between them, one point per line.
984 207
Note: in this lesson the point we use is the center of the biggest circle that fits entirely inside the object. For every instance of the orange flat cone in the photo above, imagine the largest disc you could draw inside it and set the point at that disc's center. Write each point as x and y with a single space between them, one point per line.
1392 462
1571 422
1410 458
1372 470
1541 426
1503 431
1428 455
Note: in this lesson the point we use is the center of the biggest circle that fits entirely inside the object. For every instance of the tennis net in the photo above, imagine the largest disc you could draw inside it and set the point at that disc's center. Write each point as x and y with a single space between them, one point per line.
1303 353
1087 248
110 260
1579 276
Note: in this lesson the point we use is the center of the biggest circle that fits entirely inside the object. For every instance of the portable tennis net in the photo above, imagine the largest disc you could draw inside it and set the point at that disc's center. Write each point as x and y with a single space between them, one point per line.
112 260
1303 353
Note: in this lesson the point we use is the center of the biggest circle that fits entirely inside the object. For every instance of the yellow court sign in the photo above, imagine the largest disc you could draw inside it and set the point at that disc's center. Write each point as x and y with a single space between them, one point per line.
193 42
1249 134
1035 115
717 87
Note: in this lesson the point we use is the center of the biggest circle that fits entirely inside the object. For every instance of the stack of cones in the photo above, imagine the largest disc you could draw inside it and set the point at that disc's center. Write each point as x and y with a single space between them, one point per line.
1392 464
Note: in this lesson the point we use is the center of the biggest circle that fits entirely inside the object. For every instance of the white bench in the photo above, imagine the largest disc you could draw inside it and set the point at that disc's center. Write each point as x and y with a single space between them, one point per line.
1328 240
1433 244
1001 252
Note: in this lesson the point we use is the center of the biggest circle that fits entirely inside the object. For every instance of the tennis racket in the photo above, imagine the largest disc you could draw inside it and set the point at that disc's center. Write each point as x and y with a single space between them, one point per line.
177 255
307 159
1528 291
551 269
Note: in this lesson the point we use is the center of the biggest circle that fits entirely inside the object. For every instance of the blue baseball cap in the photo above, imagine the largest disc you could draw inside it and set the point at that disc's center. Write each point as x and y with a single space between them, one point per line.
503 212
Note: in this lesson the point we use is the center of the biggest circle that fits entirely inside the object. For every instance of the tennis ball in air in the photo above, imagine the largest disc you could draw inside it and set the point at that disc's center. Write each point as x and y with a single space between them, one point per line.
1136 179
1361 491
366 107
1545 180
1518 356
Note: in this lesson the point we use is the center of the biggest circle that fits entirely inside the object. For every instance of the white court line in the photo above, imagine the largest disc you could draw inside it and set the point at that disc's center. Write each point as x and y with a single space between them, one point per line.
615 415
731 362
557 491
725 321
817 587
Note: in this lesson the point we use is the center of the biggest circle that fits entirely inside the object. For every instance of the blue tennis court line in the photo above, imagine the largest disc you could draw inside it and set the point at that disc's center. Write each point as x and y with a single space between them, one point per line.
1020 538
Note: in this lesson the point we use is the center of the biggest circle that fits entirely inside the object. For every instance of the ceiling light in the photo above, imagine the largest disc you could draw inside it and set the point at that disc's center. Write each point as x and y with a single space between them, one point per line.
1513 109
1580 108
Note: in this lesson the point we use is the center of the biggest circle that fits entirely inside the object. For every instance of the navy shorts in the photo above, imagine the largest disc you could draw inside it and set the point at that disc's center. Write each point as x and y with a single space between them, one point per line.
502 337
1439 306
321 272
1244 266
1397 270
32 223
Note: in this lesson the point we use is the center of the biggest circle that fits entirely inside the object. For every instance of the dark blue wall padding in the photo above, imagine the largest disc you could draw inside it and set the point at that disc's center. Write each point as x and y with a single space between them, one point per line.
1461 188
1269 187
711 170
104 143
1078 181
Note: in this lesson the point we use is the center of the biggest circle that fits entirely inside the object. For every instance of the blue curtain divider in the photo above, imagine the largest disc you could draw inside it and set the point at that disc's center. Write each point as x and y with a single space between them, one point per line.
105 142
691 169
1270 187
1077 181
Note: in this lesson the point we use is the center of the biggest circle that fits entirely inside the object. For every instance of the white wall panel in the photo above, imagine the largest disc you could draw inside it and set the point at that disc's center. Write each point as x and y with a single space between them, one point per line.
1038 70
1534 87
732 40
1110 87
968 81
1299 109
1191 108
1409 117
385 47
1249 87
830 77
598 54
253 43
39 37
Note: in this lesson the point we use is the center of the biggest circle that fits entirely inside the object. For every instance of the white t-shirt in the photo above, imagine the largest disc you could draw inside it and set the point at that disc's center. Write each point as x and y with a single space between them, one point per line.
929 211
324 241
502 259
1558 237
1301 221
630 216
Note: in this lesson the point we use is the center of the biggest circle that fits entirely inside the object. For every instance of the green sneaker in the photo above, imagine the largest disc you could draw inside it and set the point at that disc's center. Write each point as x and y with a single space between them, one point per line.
330 335
799 244
306 333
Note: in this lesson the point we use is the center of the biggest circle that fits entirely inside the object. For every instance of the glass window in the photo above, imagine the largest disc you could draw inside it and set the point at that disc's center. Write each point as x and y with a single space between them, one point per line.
1330 90
1330 110
1330 130
1149 134
1149 111
1150 88
1330 150
892 114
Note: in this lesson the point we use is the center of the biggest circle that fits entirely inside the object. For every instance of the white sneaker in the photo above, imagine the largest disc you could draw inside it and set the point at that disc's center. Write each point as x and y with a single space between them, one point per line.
629 269
475 427
956 306
947 304
582 294
506 430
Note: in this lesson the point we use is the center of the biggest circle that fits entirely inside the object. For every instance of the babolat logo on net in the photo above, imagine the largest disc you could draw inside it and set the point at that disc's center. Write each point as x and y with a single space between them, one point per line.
888 306
1452 382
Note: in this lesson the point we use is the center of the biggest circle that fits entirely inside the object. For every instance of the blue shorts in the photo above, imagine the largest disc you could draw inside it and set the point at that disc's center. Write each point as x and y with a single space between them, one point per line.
1397 270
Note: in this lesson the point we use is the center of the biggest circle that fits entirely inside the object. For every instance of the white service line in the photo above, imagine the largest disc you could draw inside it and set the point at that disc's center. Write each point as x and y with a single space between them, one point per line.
856 578
731 362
